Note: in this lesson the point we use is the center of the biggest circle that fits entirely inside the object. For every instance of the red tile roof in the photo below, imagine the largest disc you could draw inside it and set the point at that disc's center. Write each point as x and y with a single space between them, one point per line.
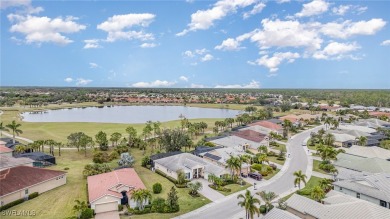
100 185
267 124
292 118
375 113
250 135
17 178
4 149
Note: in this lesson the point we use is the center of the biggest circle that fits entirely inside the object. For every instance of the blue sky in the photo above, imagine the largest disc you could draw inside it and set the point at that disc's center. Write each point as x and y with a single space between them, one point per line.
226 43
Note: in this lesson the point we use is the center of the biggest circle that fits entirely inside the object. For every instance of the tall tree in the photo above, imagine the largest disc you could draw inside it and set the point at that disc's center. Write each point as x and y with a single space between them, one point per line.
329 139
132 133
362 140
115 137
173 200
86 141
287 125
2 129
299 177
267 197
101 140
15 128
174 140
249 202
74 139
317 193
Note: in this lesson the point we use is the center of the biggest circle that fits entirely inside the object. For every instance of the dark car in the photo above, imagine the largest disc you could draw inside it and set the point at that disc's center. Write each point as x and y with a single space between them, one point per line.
244 175
256 176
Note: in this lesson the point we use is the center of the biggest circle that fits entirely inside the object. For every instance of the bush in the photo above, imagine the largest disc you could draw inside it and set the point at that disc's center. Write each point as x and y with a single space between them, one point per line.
220 188
181 185
249 152
121 149
100 157
304 192
264 173
145 161
158 205
11 204
280 158
271 154
113 155
66 168
166 176
33 195
157 187
209 144
161 173
86 214
263 208
120 207
273 166
257 166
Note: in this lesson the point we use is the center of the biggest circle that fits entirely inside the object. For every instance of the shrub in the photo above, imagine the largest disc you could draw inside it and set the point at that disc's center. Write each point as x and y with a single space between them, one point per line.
113 155
121 149
249 152
11 204
158 205
181 185
166 176
264 173
273 166
209 144
66 168
145 161
257 167
120 207
304 192
280 158
271 154
157 187
33 195
100 157
86 214
269 169
219 188
161 173
263 208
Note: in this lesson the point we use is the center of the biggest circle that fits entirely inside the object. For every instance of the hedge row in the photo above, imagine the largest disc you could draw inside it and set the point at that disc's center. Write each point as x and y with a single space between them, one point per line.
16 202
170 179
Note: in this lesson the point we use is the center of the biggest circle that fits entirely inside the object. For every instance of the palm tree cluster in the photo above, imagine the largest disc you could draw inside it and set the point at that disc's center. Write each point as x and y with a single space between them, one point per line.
267 197
141 197
249 203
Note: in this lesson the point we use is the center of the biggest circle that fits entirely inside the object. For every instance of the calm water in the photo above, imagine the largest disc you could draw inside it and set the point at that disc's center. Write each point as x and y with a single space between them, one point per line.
127 114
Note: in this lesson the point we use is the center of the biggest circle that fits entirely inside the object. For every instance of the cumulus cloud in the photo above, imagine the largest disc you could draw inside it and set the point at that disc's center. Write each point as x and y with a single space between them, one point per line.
343 9
251 85
385 43
14 3
335 50
44 29
118 27
315 7
93 65
348 28
204 19
272 63
183 78
229 44
82 81
156 83
256 9
68 80
197 86
148 45
207 57
92 44
188 54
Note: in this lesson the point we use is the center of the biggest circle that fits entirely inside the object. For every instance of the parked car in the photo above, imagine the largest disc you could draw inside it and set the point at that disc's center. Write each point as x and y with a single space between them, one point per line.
303 144
244 175
256 176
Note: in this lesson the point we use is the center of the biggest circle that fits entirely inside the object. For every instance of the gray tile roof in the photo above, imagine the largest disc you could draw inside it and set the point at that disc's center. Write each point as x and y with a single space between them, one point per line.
368 152
349 207
234 141
277 213
8 162
188 161
370 165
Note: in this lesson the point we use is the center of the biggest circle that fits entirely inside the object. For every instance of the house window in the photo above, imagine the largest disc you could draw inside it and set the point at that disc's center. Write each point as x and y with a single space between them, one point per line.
383 203
26 191
341 188
187 175
357 195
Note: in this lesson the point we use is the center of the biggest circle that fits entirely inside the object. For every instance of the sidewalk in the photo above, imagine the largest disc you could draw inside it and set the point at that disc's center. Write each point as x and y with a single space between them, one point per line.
208 192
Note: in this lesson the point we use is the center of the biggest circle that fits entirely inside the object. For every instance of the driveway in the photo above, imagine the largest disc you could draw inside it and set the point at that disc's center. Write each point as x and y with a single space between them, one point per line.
282 183
209 192
107 215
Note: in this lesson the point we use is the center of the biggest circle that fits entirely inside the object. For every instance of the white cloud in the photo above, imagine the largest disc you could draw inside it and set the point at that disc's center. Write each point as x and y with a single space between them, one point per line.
93 65
91 44
252 84
343 9
229 44
44 29
207 57
256 9
204 19
197 86
68 80
148 45
201 51
272 63
82 81
156 83
315 7
188 54
118 27
348 28
14 3
183 78
385 43
335 50
282 1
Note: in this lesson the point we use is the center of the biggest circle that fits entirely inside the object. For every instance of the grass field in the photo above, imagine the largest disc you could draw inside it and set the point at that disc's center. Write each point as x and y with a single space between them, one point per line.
314 181
316 167
234 188
275 160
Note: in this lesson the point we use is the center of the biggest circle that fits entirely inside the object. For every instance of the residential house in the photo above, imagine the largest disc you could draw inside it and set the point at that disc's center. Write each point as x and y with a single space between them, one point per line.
368 152
21 181
372 123
236 142
336 205
250 135
108 190
40 159
194 167
7 162
361 164
343 140
266 127
374 188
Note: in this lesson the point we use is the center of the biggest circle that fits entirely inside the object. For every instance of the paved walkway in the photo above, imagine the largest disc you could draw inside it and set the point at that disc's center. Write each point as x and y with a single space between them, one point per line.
322 175
209 192
107 215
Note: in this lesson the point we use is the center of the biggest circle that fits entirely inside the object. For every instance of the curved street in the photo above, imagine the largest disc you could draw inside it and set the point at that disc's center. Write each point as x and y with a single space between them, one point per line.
282 184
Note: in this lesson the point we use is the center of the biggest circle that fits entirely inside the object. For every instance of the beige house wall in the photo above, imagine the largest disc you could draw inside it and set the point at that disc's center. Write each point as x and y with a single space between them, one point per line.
163 169
40 188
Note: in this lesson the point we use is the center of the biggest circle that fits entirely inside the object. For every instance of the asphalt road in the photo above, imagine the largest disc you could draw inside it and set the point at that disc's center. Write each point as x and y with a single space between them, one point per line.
228 208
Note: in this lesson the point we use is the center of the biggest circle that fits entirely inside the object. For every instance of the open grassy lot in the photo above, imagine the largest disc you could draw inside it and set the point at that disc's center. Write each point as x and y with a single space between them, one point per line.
235 188
279 147
275 160
314 181
316 167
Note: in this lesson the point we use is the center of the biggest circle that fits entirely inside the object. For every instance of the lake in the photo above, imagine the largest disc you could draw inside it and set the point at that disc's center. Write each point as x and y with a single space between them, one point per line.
127 114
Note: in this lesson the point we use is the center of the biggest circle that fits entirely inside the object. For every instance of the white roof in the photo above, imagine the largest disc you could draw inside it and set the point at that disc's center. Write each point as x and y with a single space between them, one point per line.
258 128
337 206
277 213
341 137
368 152
232 141
224 153
358 128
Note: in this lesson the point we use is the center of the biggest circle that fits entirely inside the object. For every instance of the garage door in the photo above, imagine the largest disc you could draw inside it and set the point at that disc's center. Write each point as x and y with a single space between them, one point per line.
105 207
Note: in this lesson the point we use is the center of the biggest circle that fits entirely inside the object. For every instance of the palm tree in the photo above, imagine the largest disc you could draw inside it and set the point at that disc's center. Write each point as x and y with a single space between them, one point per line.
328 121
20 148
234 164
336 124
267 197
2 129
329 139
287 124
299 177
195 187
263 158
249 203
362 140
325 184
79 207
15 129
263 149
317 193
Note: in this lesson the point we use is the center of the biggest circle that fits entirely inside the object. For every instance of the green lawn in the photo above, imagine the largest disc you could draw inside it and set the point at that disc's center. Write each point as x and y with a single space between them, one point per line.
279 147
316 167
235 188
269 176
275 160
314 181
